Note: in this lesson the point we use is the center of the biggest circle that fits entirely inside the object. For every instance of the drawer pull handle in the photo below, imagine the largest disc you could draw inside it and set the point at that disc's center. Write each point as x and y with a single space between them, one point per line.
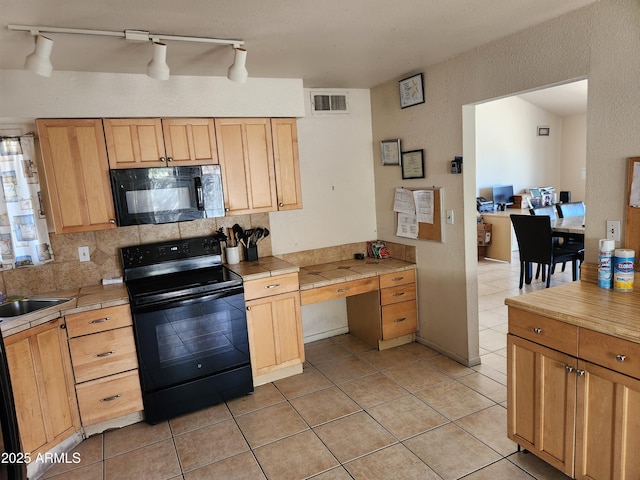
342 290
398 294
110 399
100 320
568 368
580 373
537 330
275 285
105 354
621 358
398 320
397 279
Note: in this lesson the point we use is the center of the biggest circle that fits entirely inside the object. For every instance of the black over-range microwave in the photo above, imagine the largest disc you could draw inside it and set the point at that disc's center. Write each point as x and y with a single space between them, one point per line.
167 194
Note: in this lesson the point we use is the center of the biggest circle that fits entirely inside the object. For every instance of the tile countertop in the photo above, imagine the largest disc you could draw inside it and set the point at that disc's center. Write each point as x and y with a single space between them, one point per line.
312 276
586 305
86 298
324 274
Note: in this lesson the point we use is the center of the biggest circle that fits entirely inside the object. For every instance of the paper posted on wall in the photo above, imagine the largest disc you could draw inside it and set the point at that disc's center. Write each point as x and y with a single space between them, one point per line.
413 207
634 195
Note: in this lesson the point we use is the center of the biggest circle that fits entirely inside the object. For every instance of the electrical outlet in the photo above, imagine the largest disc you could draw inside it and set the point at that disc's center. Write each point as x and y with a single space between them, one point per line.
613 230
450 217
83 254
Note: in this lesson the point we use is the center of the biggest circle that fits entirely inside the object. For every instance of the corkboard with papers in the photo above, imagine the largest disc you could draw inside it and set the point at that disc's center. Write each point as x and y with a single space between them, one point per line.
419 213
632 224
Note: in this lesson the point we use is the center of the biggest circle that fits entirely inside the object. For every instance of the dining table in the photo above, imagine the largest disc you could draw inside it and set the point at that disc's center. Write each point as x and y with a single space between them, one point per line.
568 225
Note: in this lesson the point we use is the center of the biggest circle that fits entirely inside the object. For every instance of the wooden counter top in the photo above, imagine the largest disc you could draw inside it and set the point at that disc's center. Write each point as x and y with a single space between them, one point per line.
261 268
586 305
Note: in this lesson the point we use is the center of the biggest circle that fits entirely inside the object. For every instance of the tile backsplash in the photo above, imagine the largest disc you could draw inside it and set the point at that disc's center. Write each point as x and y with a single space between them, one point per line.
67 272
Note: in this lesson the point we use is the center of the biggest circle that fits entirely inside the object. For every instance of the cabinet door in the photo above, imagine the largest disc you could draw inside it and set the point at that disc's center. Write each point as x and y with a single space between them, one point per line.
42 385
541 390
190 141
245 153
287 163
275 332
135 142
76 169
608 428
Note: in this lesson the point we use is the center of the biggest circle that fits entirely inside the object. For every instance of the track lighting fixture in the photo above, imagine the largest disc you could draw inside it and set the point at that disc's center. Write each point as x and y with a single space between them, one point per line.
238 70
157 68
39 62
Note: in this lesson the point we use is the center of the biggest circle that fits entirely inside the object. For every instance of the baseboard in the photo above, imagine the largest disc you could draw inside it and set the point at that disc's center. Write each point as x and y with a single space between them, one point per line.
472 362
327 334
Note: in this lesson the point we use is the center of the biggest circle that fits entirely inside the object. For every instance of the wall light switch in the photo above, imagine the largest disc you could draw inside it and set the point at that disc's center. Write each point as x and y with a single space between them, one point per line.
83 254
450 217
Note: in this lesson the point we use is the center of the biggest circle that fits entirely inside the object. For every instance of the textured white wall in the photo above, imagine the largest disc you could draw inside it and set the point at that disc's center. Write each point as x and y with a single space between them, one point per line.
599 42
509 150
573 163
85 94
338 194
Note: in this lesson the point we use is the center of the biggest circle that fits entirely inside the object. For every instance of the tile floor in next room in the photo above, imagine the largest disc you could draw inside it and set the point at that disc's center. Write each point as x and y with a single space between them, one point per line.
403 413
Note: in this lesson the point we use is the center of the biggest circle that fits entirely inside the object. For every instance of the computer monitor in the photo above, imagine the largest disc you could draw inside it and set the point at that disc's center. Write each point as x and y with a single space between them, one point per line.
503 194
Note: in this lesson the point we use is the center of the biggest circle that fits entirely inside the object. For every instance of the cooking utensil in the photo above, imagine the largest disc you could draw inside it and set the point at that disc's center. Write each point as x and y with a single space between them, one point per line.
266 233
257 235
247 236
238 233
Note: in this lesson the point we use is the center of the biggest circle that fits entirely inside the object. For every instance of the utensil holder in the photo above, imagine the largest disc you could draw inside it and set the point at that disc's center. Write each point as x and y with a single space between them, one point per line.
232 254
251 253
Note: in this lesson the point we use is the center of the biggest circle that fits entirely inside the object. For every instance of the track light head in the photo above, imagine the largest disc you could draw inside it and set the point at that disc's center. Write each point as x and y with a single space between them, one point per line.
238 70
39 62
157 68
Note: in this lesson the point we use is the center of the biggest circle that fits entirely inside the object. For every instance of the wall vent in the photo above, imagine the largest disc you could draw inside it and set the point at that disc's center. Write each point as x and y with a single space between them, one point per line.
326 102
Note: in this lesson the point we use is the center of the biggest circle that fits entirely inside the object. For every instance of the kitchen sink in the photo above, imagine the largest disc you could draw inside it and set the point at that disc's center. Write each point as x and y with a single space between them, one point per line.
28 305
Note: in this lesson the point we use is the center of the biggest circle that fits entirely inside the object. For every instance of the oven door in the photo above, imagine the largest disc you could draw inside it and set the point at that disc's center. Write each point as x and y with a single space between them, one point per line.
157 195
181 341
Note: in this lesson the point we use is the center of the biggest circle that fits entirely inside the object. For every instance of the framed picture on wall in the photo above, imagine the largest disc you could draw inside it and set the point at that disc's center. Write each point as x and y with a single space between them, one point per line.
413 164
390 152
411 91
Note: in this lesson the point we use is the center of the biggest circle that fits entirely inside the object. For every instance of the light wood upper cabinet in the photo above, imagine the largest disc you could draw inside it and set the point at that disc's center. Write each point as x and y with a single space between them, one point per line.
287 163
246 156
155 142
42 384
76 169
135 142
190 141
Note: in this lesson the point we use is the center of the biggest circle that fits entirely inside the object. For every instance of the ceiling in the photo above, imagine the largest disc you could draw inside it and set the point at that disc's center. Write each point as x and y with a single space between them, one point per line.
327 43
562 100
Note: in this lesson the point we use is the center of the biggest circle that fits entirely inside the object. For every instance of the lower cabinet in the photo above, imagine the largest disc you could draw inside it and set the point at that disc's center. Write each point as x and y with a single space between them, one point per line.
105 365
274 325
42 384
581 417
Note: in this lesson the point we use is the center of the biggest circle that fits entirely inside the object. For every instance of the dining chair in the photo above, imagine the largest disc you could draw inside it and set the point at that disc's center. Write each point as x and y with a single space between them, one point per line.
548 210
536 245
571 209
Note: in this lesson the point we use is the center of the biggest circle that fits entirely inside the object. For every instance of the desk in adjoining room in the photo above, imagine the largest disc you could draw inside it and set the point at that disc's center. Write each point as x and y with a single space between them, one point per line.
503 240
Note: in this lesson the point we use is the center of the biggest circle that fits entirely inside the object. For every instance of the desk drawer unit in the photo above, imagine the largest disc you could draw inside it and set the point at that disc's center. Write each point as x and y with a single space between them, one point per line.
545 331
399 319
103 353
95 321
339 290
400 293
397 278
268 286
109 397
610 352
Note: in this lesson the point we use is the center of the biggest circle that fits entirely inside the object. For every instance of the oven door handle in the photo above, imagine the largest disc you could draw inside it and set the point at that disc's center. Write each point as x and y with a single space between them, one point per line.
199 192
139 307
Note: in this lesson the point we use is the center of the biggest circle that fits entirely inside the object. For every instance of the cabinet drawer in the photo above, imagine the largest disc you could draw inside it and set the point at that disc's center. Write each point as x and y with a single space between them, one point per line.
615 353
400 293
265 287
399 319
109 397
397 278
104 353
338 290
544 331
100 320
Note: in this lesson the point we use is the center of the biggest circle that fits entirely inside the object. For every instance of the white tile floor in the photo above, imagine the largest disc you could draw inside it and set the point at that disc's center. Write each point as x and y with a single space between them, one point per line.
355 413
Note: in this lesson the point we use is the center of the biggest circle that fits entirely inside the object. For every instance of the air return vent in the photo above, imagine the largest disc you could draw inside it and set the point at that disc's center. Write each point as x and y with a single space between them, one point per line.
327 102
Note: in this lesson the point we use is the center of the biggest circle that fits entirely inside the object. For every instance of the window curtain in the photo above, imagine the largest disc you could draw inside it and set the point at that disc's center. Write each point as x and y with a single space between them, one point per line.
24 237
